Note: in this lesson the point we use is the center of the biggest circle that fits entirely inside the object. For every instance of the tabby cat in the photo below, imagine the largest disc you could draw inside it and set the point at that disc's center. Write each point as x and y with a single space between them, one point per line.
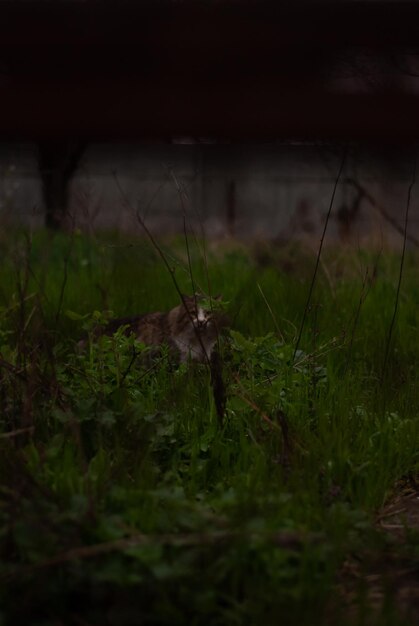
189 330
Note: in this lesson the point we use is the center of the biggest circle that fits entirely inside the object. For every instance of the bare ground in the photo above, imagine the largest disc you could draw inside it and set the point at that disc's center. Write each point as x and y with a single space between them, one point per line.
380 585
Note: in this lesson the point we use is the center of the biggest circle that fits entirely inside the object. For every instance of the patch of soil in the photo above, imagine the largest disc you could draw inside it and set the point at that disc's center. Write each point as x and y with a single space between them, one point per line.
384 581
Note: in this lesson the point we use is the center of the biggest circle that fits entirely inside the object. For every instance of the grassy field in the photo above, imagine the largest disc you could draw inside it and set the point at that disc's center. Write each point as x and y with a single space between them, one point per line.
126 500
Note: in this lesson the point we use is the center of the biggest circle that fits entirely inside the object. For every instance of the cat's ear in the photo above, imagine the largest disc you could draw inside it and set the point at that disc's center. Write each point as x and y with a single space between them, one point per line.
217 297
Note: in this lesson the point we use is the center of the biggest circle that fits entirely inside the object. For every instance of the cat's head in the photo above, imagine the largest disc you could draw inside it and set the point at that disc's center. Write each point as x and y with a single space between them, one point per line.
204 312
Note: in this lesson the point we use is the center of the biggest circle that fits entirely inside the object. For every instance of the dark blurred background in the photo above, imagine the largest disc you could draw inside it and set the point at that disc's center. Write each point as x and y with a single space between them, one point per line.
237 112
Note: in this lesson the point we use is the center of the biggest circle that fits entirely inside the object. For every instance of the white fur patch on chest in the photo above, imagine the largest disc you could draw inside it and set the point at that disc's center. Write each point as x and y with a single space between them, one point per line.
190 347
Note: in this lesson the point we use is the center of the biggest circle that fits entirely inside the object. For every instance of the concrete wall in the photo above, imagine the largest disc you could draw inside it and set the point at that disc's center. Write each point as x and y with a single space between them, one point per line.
271 191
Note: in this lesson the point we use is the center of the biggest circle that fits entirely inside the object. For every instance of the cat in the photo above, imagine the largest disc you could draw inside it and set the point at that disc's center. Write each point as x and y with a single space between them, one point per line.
190 330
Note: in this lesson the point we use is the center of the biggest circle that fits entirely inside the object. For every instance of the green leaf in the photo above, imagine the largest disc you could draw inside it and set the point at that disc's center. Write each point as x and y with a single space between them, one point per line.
72 315
237 404
240 342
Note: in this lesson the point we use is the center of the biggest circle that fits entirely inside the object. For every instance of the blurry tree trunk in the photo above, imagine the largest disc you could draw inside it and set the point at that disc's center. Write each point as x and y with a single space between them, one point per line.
58 160
346 216
231 207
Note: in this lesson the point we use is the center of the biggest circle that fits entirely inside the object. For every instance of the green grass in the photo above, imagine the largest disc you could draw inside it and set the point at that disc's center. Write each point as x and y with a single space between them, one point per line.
127 501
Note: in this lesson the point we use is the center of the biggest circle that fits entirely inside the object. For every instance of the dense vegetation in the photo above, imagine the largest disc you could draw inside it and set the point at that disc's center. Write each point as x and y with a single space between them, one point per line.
125 499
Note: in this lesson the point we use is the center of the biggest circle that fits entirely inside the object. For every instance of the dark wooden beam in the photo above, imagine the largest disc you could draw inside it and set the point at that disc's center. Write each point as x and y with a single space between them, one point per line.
111 111
229 70
209 24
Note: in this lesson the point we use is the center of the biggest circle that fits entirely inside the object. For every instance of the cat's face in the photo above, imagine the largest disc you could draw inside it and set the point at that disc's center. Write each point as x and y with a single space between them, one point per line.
202 317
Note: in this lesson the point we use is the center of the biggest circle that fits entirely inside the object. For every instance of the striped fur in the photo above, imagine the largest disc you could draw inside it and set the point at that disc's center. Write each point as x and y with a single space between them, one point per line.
188 329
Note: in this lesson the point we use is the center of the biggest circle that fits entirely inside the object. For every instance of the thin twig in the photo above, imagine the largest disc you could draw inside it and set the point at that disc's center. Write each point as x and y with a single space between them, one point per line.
22 286
131 363
152 198
396 303
185 232
313 280
17 432
17 371
286 442
382 211
278 330
390 513
291 540
65 277
165 262
243 396
215 361
147 371
363 296
183 196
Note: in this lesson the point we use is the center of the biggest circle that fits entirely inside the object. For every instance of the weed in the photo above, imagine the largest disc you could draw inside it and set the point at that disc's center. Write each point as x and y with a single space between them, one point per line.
125 499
